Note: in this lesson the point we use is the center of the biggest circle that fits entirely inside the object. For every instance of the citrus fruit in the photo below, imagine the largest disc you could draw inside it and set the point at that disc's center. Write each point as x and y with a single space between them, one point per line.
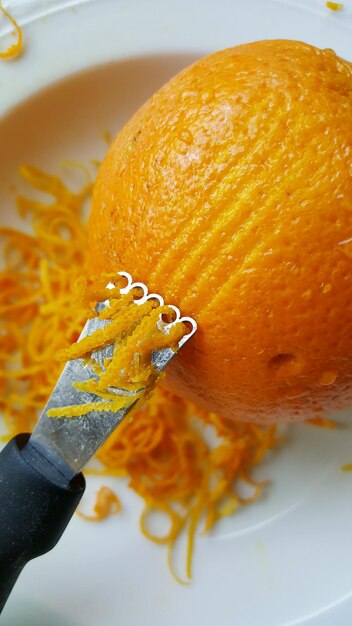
230 193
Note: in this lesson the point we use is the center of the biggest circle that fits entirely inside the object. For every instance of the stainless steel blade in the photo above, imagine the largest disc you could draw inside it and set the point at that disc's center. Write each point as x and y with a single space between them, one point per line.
72 441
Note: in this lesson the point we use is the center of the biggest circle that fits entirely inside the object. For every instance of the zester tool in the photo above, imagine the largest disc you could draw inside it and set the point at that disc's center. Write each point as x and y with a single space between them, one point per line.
41 483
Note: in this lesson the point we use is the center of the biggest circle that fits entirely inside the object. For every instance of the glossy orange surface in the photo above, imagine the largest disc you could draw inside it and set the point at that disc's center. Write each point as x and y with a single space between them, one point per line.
230 193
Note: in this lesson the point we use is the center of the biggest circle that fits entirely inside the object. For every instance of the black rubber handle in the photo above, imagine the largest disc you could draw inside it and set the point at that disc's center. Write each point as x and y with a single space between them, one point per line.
36 503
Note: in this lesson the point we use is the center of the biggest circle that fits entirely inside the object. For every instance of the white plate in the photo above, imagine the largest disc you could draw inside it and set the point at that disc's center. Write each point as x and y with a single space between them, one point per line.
285 560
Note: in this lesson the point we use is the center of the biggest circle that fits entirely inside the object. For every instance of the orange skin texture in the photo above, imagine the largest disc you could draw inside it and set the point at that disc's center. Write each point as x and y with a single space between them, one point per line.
230 193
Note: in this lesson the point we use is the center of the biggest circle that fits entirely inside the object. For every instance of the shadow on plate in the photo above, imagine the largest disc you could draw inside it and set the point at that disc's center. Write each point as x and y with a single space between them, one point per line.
69 118
29 613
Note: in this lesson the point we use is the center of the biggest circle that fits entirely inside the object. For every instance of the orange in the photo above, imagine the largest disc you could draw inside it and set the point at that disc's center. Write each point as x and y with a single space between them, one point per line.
230 193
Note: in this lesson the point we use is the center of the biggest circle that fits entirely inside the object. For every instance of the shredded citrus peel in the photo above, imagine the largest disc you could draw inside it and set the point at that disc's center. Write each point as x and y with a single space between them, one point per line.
174 470
40 312
347 468
16 48
107 503
334 6
82 409
322 422
162 449
135 333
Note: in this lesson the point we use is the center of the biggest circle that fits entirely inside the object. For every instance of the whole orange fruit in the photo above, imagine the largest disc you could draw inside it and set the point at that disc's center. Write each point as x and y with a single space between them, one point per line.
230 193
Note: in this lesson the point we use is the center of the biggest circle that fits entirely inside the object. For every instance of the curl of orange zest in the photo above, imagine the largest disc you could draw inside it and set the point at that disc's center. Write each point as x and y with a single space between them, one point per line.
15 49
334 6
107 503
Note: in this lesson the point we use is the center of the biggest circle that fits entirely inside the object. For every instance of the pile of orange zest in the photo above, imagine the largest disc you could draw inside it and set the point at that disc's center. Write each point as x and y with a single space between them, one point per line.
334 6
175 471
16 48
107 503
40 311
162 448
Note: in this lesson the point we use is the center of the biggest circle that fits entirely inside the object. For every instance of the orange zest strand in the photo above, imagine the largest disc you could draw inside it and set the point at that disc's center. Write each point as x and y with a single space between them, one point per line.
334 6
16 48
322 422
347 468
107 503
82 409
162 448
